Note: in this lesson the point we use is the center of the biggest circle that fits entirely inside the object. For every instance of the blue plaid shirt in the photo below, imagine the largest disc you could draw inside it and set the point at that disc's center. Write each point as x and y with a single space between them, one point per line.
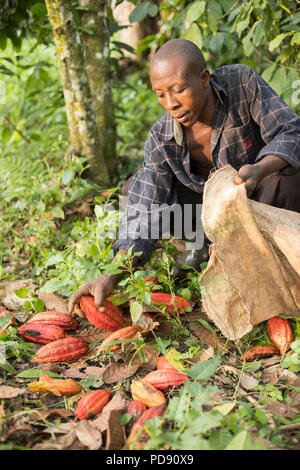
251 121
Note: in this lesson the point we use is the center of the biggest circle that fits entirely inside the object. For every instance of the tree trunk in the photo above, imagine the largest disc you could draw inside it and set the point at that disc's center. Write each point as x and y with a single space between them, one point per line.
79 102
96 45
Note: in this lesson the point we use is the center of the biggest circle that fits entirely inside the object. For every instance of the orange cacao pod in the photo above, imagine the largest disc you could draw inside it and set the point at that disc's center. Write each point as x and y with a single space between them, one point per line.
59 387
63 320
147 393
111 319
164 378
40 333
92 403
139 424
259 352
173 304
281 333
129 332
163 363
63 350
136 408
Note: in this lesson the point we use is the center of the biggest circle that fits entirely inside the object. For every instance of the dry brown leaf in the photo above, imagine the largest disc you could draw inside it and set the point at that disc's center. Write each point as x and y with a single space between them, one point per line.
88 435
10 392
97 371
247 381
290 376
270 376
118 402
277 408
22 427
54 302
92 334
73 373
115 438
7 294
118 372
43 414
208 337
206 354
62 428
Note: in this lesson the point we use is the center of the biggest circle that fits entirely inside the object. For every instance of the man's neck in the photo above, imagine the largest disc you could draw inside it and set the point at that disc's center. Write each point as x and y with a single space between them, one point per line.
210 109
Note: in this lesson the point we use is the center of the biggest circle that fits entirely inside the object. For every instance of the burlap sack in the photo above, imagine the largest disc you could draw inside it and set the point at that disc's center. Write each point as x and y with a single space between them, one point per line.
254 268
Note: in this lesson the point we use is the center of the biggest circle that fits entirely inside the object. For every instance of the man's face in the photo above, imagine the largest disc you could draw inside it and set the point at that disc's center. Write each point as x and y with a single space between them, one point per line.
180 89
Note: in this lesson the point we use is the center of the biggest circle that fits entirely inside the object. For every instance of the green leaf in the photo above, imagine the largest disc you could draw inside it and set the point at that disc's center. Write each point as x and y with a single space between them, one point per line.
295 39
22 293
217 42
136 310
52 285
152 9
92 381
195 11
238 442
39 10
54 259
57 212
36 373
139 13
38 305
277 41
8 367
5 319
204 370
225 408
67 177
125 418
193 34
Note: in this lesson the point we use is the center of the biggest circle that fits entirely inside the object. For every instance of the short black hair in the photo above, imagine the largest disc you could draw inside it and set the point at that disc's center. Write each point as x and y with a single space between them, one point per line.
181 47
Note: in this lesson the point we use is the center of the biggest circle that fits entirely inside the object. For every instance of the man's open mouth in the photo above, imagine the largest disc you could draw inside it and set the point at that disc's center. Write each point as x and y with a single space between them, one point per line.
182 117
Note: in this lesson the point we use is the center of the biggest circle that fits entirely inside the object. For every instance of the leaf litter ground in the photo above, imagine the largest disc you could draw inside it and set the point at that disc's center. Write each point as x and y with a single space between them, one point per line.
225 404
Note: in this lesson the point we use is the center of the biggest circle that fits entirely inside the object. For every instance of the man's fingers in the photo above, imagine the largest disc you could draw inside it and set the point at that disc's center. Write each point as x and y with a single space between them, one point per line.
238 179
74 299
99 299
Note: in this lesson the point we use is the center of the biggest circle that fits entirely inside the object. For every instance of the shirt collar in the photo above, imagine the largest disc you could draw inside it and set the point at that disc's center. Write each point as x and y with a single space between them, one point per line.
173 129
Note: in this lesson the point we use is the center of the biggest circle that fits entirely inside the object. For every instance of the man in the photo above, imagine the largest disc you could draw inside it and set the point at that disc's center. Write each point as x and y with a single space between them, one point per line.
231 116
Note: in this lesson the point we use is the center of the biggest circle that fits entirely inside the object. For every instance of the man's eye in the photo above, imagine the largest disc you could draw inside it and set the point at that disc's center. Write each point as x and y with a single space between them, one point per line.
180 90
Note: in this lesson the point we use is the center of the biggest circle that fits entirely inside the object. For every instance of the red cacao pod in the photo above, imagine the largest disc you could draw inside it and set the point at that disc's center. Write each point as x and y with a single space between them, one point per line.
63 320
173 304
163 363
92 403
139 425
40 333
63 350
281 333
129 332
111 319
259 352
147 393
136 408
164 378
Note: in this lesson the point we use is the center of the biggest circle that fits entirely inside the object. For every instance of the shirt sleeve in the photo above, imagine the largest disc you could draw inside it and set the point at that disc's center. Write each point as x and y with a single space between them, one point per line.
150 187
279 124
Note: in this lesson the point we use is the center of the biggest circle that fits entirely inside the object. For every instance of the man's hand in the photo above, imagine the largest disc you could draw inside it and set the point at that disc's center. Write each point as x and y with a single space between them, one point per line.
250 175
99 288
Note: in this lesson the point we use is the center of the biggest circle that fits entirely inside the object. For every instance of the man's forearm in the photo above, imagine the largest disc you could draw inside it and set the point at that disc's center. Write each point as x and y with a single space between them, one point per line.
269 164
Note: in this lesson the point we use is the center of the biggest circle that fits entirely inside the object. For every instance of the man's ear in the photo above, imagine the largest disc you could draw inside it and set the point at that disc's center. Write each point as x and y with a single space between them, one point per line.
205 75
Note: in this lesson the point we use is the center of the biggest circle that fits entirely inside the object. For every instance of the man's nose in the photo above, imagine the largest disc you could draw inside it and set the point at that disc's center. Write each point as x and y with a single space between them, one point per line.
171 102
